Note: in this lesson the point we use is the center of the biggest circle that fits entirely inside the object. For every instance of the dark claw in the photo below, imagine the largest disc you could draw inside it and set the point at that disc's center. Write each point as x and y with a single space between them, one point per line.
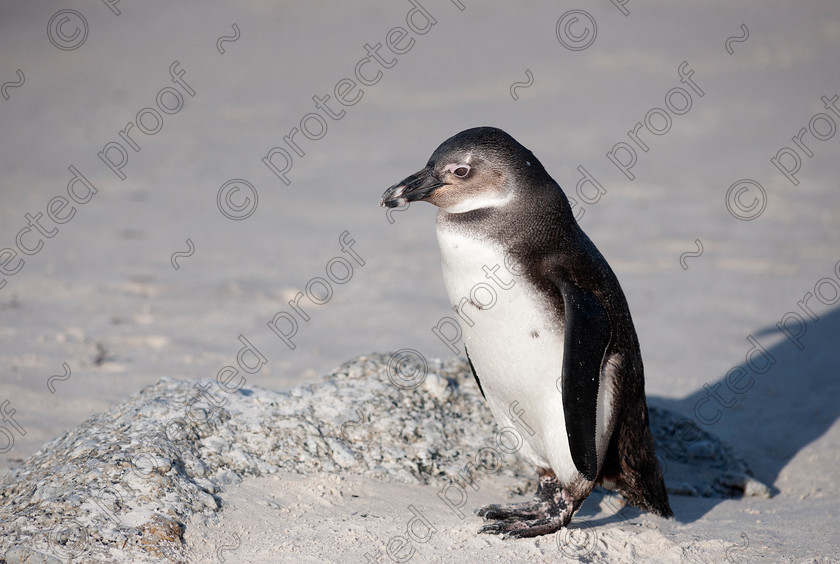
484 509
497 528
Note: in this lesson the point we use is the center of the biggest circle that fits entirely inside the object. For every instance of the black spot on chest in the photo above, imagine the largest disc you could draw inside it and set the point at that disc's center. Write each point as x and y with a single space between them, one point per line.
535 334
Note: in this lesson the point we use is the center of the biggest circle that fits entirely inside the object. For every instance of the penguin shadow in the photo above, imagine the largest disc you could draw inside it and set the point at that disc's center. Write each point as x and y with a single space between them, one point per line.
602 508
779 400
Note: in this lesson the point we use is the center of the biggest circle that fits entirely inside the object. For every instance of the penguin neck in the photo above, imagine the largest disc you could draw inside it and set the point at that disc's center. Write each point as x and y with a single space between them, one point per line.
543 212
479 223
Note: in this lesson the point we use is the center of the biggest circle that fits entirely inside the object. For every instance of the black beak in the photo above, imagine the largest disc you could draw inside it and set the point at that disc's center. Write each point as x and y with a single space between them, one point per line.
415 187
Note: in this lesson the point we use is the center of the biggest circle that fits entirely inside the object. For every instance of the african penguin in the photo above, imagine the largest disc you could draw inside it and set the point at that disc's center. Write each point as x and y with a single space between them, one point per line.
557 341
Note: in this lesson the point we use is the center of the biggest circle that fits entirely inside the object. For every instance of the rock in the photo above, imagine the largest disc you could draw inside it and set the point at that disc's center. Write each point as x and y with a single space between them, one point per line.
24 555
119 487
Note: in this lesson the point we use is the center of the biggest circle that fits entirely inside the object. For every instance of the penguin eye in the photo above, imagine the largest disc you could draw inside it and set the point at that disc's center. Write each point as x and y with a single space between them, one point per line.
461 171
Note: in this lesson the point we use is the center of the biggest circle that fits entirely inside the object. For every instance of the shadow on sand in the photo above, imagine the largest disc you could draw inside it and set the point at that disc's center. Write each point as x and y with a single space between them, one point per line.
776 402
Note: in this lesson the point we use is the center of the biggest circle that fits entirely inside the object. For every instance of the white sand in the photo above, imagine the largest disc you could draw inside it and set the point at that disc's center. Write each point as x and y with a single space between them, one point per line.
103 297
332 518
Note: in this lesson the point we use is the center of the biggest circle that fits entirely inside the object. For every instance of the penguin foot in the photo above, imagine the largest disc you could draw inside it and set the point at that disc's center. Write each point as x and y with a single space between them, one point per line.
525 510
514 528
551 510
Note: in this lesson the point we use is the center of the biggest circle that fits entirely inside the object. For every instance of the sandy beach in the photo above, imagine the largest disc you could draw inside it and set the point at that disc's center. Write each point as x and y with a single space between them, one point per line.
192 189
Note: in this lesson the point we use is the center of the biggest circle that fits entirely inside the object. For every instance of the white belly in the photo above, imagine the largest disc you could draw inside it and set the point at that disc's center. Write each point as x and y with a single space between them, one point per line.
514 344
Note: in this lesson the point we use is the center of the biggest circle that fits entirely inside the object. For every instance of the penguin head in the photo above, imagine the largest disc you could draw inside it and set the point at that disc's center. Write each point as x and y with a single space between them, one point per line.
474 169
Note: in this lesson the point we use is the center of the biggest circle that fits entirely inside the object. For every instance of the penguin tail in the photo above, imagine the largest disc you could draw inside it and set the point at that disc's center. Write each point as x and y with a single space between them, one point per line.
634 469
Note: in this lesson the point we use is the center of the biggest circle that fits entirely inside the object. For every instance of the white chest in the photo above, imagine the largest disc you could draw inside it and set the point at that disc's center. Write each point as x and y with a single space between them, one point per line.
514 343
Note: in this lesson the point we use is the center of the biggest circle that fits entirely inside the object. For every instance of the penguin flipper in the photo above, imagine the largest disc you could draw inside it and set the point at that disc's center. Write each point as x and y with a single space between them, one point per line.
587 335
477 381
